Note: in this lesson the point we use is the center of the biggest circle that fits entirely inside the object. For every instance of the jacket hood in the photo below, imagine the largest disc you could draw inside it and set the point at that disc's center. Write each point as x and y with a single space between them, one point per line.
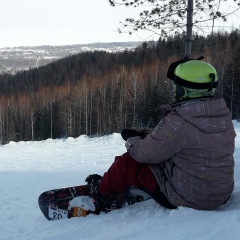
209 115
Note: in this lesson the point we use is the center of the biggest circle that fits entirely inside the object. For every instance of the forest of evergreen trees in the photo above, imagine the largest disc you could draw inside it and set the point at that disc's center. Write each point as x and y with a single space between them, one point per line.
97 93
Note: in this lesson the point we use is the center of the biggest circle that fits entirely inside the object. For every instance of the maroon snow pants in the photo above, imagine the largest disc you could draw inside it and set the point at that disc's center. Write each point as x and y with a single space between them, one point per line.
126 172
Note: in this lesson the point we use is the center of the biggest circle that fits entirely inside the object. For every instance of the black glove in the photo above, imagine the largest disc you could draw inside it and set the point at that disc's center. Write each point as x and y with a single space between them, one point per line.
93 182
128 133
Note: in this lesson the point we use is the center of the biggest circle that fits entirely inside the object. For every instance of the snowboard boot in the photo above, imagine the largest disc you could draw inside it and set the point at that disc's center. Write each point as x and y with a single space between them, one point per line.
119 200
107 203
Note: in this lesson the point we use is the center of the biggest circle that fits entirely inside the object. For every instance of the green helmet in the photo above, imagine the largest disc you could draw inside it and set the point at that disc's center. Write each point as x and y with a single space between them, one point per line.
193 79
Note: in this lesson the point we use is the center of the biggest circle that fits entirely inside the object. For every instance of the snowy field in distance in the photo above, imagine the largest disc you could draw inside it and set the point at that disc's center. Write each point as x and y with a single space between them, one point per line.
29 168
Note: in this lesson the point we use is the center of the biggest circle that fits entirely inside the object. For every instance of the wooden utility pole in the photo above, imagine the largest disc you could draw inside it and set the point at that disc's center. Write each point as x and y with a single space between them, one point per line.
188 41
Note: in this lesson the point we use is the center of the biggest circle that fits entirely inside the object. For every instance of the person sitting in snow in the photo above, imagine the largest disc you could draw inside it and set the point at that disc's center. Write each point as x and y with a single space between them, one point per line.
187 160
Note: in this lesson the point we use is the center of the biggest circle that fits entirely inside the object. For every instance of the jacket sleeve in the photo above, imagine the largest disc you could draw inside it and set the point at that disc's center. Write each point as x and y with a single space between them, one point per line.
162 144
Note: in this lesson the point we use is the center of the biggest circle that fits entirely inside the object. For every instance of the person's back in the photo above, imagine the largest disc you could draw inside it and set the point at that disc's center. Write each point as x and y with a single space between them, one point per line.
201 174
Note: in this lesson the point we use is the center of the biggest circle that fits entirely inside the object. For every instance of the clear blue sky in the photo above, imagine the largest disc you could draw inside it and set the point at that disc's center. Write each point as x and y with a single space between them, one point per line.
60 22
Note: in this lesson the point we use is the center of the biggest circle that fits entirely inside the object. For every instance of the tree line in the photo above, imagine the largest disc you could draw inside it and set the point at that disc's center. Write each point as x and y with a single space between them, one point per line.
97 93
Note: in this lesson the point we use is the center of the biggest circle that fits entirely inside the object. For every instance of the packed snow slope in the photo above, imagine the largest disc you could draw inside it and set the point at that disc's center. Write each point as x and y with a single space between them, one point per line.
29 168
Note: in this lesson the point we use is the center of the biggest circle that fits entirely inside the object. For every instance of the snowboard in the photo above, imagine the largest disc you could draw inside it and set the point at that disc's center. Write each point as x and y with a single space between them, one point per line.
54 204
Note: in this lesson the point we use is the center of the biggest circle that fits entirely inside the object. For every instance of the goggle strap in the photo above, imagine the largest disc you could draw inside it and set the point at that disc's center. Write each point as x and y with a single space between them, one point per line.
212 76
193 85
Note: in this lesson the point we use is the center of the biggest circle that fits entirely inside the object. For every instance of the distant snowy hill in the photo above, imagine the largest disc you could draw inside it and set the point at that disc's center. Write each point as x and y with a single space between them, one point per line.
29 168
22 58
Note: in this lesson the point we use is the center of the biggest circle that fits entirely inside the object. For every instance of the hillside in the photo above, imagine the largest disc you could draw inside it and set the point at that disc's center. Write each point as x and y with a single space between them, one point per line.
101 92
15 59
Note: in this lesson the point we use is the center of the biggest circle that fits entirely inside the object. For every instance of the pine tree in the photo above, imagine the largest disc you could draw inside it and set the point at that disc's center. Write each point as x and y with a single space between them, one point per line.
232 85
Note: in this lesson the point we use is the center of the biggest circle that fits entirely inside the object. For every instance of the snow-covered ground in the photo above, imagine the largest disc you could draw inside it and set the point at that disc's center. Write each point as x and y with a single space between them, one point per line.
29 168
